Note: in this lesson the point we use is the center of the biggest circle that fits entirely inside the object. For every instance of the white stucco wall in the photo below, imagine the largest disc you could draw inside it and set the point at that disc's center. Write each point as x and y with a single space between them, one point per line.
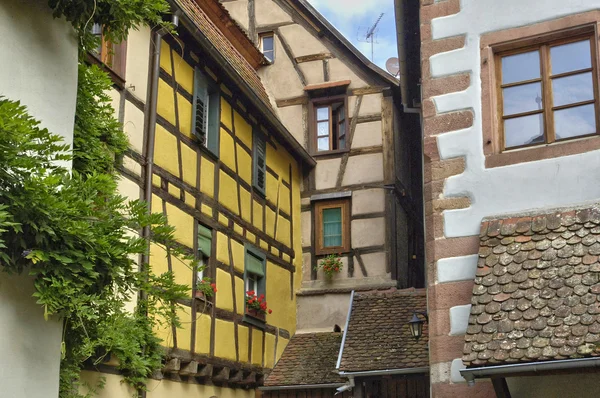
38 66
38 63
510 189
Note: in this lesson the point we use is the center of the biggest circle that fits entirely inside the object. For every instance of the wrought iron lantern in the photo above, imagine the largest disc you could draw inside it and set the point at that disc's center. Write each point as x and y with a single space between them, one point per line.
416 324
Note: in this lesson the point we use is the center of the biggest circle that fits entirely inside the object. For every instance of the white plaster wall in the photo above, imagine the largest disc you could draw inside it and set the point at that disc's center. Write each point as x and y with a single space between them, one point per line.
138 54
38 63
38 66
527 186
29 345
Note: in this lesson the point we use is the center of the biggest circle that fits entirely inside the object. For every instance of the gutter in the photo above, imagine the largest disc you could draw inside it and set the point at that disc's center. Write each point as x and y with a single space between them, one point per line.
369 373
269 114
300 387
470 374
339 361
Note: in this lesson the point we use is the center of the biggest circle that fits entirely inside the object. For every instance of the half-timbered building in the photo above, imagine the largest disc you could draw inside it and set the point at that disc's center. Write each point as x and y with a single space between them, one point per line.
208 151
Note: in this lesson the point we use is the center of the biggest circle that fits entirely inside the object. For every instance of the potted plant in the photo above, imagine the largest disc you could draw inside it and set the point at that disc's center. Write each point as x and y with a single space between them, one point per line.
256 305
330 265
205 288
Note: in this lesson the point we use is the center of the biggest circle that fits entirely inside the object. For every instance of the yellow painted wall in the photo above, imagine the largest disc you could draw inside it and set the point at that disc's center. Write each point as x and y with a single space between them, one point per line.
232 201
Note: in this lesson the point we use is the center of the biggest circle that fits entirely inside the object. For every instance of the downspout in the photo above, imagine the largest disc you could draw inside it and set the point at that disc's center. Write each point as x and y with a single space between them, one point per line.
339 361
403 72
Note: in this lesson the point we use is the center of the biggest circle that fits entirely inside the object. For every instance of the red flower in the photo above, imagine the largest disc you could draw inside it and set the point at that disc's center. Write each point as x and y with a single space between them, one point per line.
270 311
262 296
263 306
251 292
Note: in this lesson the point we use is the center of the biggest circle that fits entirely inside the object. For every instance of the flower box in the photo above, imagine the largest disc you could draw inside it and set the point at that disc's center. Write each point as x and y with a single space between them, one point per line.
256 314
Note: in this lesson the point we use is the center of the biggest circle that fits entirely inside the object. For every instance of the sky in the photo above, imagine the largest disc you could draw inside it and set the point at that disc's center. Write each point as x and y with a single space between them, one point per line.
353 18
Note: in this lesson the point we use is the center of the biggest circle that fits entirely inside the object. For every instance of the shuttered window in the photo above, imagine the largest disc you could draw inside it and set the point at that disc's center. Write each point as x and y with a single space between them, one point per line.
260 161
206 112
254 270
332 226
204 240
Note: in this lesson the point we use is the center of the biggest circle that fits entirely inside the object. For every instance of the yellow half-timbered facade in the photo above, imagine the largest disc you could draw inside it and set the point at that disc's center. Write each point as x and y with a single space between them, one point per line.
209 153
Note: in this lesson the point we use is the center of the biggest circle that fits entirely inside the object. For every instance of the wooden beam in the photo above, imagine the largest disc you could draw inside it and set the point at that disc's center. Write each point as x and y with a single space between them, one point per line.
221 375
367 90
301 100
501 387
237 377
314 57
250 379
190 369
172 366
205 371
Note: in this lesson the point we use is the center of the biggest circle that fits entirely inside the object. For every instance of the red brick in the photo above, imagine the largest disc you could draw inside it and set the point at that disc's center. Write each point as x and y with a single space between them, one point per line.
448 122
445 348
443 85
452 247
440 9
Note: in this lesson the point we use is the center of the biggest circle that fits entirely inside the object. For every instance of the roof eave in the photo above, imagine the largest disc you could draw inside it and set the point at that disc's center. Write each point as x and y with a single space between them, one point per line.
312 12
270 116
470 374
300 386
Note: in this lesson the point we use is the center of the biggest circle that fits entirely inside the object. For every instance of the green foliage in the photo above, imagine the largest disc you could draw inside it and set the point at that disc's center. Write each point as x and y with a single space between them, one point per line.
77 237
116 16
99 142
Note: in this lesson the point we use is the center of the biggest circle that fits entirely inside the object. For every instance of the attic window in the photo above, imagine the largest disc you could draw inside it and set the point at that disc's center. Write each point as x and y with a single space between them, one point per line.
267 46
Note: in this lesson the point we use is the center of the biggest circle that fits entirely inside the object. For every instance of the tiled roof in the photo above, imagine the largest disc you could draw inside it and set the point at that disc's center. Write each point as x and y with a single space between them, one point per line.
309 358
224 46
536 290
378 336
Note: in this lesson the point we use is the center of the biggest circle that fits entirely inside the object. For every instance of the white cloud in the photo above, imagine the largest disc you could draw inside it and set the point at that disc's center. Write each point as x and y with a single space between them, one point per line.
352 8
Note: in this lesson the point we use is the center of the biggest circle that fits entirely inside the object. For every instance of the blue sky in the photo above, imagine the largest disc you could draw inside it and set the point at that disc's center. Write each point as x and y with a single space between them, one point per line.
354 17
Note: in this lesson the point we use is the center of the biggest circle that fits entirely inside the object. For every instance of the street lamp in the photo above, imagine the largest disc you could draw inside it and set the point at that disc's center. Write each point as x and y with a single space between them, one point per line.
416 324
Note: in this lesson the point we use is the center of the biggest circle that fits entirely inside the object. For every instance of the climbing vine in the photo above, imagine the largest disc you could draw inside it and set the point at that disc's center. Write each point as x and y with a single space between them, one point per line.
72 232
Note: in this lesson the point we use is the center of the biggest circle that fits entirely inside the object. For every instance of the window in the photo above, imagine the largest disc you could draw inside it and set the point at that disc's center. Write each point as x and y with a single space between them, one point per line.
332 226
206 112
204 250
259 154
548 92
254 271
110 54
330 124
267 45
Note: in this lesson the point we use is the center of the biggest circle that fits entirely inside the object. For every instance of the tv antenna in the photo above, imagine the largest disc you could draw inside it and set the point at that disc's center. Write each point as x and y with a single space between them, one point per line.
370 35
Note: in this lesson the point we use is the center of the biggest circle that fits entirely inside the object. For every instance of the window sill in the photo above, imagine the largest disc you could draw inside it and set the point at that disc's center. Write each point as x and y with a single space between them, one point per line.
326 252
333 153
117 80
548 151
257 320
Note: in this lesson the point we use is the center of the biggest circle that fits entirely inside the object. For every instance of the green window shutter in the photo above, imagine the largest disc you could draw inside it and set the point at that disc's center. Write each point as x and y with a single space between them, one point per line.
254 264
332 227
214 121
200 110
204 240
259 158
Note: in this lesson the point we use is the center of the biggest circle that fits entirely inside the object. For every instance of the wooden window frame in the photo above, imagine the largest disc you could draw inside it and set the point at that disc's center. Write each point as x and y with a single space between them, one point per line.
319 206
261 36
115 67
250 250
327 101
547 110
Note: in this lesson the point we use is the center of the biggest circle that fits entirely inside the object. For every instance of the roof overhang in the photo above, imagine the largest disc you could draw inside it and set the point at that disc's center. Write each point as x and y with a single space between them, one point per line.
269 115
470 374
300 387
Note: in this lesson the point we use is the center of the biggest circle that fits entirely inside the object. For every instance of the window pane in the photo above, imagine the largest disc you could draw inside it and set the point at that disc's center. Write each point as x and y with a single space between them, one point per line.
524 130
323 129
572 89
323 113
332 227
574 122
269 55
342 131
570 57
267 43
520 67
323 144
525 98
